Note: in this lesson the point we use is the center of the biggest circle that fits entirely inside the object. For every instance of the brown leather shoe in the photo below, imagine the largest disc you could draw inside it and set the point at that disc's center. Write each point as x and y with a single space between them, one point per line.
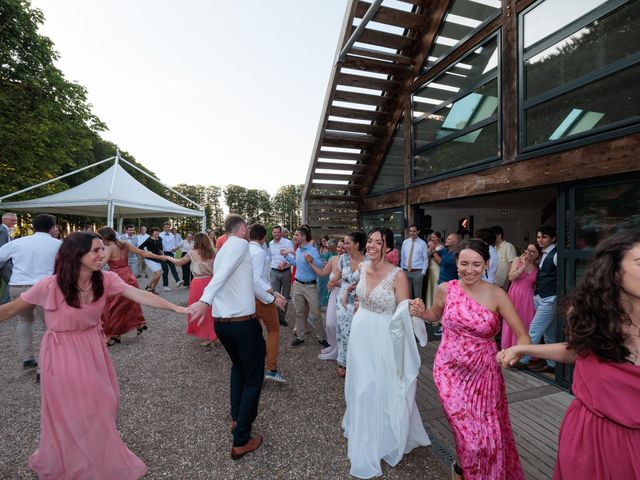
250 446
544 369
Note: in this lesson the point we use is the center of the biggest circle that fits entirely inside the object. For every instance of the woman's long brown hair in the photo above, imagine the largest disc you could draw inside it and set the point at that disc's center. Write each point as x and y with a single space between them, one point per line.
67 267
203 244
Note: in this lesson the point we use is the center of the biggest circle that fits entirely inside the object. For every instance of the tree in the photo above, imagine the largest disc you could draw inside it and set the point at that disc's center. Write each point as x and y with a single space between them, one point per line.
287 206
252 204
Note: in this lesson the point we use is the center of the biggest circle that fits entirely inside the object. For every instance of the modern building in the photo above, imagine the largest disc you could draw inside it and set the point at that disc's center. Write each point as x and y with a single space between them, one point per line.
483 112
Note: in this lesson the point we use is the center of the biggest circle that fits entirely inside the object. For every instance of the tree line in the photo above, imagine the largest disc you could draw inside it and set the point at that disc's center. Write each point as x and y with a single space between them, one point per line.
47 129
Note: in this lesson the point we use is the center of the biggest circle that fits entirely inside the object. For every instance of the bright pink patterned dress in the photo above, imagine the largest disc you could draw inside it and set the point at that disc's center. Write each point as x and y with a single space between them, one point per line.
79 391
471 389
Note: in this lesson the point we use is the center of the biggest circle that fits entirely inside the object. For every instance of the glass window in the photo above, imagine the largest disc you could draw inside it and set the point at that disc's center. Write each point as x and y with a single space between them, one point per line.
480 64
391 173
582 79
394 219
473 108
598 104
456 114
603 210
552 16
464 18
475 147
605 41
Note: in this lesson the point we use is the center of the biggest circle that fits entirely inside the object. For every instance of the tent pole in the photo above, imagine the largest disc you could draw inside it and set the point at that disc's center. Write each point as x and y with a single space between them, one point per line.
56 179
120 221
110 214
204 221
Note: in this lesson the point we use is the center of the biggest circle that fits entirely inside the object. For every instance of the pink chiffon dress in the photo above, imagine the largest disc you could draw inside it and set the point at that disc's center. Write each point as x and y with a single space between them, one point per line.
471 389
521 295
79 391
201 275
600 433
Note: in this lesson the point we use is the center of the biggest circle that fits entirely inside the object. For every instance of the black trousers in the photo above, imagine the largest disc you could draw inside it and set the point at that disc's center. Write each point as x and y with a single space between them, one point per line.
245 345
186 273
165 270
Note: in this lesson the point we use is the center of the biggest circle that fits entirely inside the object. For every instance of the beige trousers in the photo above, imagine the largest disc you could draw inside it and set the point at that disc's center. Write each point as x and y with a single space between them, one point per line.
307 294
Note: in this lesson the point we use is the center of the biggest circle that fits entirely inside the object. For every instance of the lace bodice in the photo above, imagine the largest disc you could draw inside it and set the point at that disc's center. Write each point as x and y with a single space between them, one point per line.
381 298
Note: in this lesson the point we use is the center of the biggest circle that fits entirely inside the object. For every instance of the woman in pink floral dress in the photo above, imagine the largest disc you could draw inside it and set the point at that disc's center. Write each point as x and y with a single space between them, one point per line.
468 379
79 390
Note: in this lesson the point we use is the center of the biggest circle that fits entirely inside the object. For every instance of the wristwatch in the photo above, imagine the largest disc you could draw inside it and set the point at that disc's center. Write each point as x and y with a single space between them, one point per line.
206 303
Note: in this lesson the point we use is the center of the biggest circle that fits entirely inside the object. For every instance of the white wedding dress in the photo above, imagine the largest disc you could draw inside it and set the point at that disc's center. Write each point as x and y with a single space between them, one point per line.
381 421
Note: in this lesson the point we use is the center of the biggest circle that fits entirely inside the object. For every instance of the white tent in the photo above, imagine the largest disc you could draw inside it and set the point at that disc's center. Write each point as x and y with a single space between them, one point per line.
113 193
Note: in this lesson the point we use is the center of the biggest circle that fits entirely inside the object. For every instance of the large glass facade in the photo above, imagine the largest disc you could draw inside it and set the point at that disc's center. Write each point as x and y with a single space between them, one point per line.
456 114
463 19
391 173
581 64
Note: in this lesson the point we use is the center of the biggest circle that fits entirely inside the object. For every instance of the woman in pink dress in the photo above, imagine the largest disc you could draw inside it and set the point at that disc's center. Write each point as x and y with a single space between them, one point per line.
523 274
201 258
600 434
79 390
121 315
468 379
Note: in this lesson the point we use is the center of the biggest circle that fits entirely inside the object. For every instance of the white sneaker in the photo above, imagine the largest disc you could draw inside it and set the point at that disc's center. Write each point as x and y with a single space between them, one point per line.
166 289
274 376
180 283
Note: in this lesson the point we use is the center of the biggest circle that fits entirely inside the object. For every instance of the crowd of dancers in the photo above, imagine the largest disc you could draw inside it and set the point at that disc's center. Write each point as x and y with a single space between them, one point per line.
373 326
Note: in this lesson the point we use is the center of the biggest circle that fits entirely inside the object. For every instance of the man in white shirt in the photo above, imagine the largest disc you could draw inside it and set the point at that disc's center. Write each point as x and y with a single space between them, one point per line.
129 236
506 253
488 237
169 247
142 237
33 258
231 295
267 313
414 259
280 276
9 221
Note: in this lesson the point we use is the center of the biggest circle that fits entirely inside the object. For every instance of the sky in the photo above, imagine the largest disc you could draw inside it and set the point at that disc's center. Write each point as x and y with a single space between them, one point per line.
210 92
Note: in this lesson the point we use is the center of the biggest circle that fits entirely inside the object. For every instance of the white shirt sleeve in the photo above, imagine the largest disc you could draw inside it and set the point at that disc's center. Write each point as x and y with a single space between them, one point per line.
223 270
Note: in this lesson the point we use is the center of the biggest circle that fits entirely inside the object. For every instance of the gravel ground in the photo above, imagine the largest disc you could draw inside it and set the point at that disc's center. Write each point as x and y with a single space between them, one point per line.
174 411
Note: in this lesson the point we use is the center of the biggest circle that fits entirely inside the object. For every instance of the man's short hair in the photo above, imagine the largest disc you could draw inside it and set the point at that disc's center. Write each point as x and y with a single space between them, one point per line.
548 230
257 232
166 223
9 215
154 229
127 227
276 227
497 229
233 222
43 222
486 235
413 225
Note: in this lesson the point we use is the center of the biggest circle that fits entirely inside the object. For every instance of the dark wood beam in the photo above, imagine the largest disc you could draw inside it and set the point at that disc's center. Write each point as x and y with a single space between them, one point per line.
392 57
354 127
341 198
373 65
340 166
384 39
351 80
347 140
357 114
363 98
341 156
391 16
509 79
331 186
335 176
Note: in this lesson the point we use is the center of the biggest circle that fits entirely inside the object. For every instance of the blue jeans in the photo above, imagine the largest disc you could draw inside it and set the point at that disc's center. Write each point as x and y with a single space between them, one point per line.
245 345
543 324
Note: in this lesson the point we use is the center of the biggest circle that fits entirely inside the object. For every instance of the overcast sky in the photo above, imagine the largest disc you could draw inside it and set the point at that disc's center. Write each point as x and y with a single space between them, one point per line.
211 92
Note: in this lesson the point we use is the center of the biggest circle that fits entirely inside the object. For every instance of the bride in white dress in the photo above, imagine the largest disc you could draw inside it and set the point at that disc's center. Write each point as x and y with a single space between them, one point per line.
382 421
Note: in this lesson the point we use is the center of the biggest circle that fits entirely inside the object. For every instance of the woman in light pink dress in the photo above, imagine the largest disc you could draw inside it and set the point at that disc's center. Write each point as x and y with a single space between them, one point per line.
600 434
79 390
523 274
468 379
